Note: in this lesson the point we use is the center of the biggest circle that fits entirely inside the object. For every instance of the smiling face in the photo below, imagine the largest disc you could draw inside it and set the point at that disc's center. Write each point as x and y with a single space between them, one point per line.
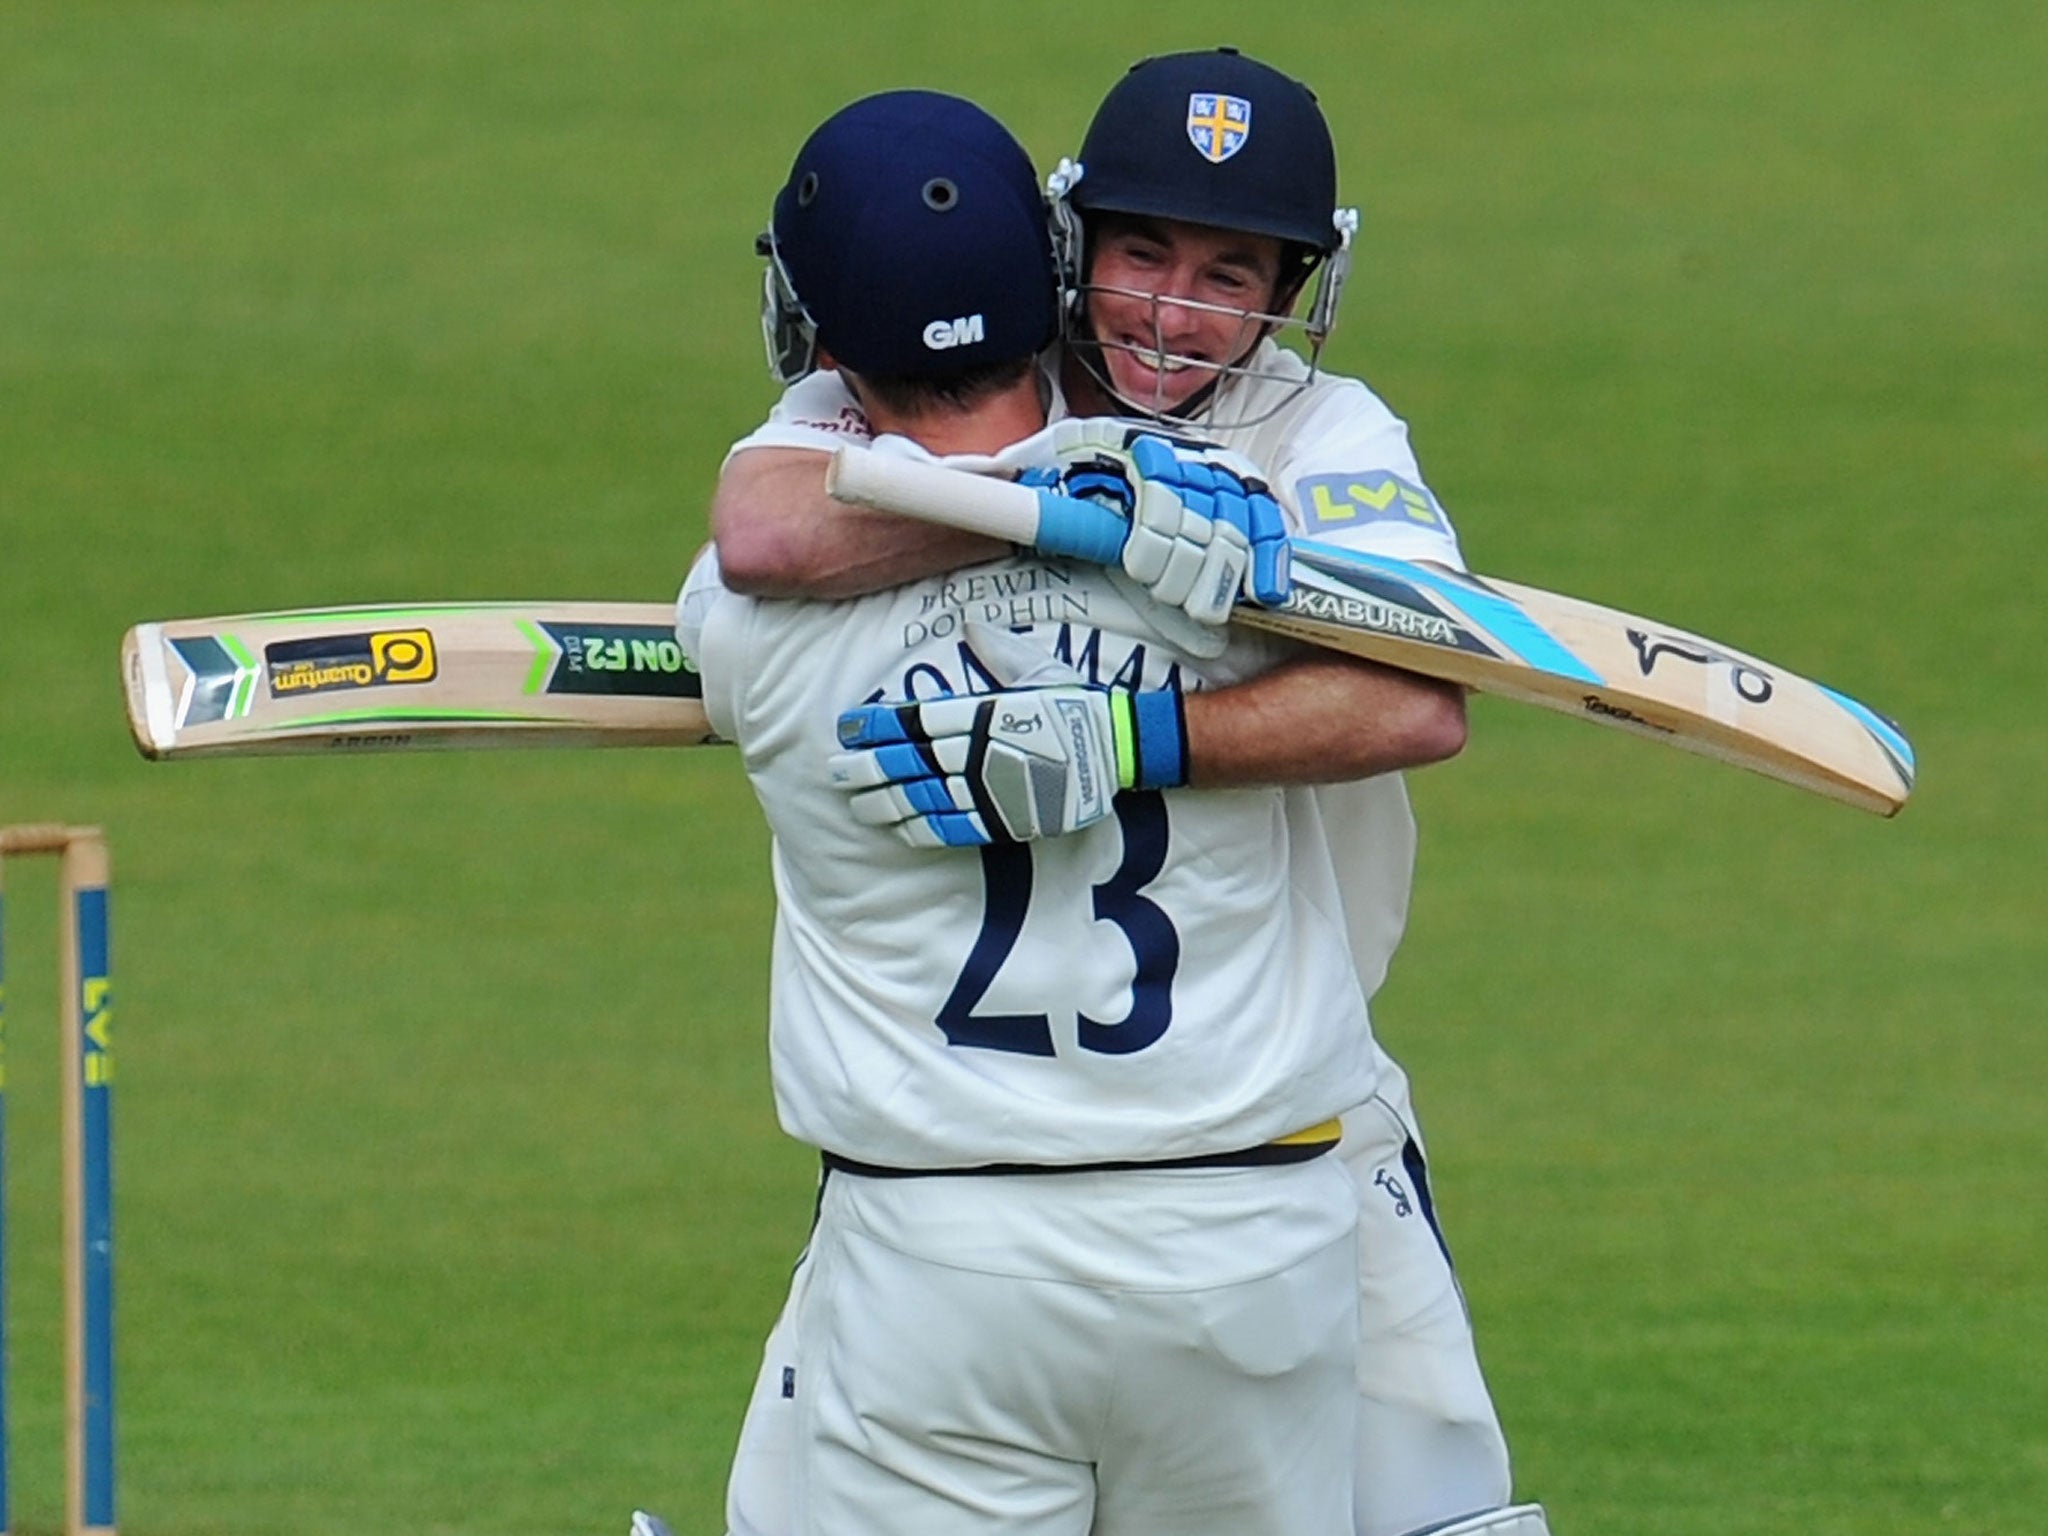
1170 304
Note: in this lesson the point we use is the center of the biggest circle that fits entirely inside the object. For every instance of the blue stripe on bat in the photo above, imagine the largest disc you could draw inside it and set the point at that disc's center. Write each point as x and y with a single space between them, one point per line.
1889 736
1504 619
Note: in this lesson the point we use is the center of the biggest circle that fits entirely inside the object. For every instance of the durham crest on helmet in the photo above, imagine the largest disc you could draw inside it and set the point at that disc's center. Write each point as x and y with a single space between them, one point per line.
1218 125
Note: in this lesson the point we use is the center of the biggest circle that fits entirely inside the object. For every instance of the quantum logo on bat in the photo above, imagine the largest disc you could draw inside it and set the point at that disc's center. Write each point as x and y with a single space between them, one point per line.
1752 683
643 660
377 659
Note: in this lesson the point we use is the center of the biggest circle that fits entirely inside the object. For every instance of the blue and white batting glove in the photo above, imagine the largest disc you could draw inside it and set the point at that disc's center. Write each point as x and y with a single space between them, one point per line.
1203 528
1007 767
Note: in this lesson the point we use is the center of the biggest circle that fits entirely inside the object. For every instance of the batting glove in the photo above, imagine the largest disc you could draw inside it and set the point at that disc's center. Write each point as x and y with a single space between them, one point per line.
1203 529
1007 767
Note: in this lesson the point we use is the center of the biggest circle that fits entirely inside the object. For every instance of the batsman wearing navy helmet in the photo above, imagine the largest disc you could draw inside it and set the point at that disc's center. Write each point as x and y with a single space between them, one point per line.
1202 254
1070 1034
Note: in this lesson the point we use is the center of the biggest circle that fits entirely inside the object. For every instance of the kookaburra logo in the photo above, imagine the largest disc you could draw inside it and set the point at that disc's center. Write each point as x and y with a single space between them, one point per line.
1385 1180
1752 683
942 335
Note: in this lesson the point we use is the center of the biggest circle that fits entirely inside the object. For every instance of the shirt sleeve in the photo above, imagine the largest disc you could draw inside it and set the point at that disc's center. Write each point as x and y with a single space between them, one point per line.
818 411
1349 477
705 612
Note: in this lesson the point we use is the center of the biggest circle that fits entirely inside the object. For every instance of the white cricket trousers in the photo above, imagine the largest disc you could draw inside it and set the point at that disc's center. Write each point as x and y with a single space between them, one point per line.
1430 1448
1144 1353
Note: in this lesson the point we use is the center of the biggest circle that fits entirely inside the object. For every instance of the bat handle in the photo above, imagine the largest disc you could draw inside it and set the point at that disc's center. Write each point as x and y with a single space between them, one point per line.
1001 509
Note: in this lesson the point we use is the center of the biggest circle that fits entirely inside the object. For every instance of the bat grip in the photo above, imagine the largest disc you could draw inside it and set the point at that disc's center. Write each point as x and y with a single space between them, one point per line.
1001 509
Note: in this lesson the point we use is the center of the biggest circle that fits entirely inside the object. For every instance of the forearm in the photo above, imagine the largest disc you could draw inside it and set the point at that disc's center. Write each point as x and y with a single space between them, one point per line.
1322 719
780 535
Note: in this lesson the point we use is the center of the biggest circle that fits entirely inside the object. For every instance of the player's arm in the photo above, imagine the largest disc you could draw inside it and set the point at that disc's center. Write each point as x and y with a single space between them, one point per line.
1194 532
780 535
1320 719
1032 762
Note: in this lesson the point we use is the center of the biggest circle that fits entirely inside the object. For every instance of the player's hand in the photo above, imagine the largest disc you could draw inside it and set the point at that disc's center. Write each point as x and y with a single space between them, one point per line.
1204 529
1006 767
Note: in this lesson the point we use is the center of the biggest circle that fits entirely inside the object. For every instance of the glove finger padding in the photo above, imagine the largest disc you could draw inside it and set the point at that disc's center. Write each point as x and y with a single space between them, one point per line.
1168 543
900 763
1221 486
1203 531
1213 585
897 777
1247 507
1010 766
915 819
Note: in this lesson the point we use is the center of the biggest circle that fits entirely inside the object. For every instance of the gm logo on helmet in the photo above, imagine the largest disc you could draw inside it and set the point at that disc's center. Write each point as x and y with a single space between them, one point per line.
943 335
1218 125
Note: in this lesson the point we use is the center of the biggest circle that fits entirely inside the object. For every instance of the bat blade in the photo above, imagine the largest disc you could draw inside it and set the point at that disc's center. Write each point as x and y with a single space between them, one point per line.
1499 637
389 679
1599 664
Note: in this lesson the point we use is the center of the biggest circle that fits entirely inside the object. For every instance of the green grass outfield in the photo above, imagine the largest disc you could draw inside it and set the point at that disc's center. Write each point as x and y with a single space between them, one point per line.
450 1197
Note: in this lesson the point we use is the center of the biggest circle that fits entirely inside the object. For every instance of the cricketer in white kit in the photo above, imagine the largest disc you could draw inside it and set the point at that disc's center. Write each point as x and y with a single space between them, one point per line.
1430 1452
1428 1432
1144 1325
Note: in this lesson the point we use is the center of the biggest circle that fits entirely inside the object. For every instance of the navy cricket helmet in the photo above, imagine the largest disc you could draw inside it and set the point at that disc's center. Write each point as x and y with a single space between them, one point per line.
1214 138
910 241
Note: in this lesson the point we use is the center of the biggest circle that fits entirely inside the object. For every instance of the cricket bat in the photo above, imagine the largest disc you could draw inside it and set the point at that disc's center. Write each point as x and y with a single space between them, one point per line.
1492 636
452 675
